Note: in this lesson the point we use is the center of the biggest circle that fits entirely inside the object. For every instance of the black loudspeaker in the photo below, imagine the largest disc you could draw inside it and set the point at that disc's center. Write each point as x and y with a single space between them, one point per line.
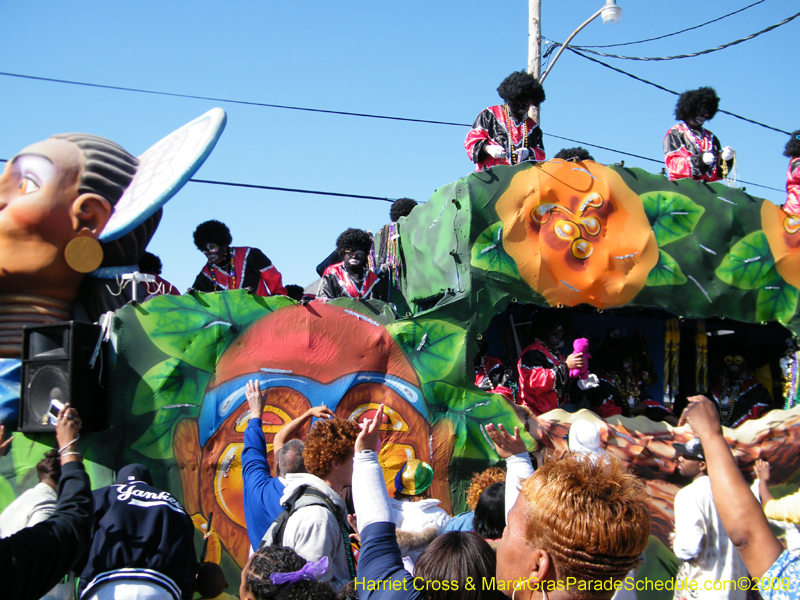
55 365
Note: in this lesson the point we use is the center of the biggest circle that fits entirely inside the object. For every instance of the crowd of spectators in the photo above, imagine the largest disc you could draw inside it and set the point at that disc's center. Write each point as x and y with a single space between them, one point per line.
575 527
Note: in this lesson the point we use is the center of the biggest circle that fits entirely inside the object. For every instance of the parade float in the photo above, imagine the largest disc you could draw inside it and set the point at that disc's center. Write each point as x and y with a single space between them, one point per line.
617 248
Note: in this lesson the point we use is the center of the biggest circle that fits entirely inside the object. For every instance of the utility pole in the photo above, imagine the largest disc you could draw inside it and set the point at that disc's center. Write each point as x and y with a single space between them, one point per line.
535 45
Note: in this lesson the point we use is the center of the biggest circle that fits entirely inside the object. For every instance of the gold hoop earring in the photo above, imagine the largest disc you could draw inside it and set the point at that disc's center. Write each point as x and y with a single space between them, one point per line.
83 254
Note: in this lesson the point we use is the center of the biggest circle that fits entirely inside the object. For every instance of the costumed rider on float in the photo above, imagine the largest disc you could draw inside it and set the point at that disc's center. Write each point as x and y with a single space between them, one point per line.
544 378
792 150
229 268
690 151
738 396
351 278
505 134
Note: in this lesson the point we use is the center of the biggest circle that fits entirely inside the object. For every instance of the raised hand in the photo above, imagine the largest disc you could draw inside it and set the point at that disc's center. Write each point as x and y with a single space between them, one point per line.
507 445
255 398
369 436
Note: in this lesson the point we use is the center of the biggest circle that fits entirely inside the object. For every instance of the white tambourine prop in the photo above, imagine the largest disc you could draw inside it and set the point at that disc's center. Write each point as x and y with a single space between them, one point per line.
163 171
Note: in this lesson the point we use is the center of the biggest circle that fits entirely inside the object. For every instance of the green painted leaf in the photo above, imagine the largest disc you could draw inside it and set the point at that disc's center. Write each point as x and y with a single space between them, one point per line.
666 272
488 253
26 451
749 264
672 215
7 494
197 328
173 390
470 413
169 383
435 347
157 440
776 303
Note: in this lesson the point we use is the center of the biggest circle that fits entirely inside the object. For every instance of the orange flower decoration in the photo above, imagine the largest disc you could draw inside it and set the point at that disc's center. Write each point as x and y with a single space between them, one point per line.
577 233
783 235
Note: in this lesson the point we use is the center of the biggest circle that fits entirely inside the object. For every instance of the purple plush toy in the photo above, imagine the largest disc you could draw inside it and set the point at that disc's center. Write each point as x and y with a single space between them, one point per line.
581 345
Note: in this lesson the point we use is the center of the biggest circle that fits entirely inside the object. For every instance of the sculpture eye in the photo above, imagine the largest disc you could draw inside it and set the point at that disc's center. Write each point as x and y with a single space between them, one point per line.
591 225
27 186
566 230
582 249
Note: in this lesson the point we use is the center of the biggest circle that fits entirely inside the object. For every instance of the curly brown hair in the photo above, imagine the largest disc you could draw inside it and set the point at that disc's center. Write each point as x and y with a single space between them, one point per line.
589 513
481 481
329 442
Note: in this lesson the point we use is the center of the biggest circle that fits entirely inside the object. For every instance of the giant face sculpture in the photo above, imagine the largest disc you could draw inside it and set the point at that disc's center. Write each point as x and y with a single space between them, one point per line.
577 233
41 211
303 356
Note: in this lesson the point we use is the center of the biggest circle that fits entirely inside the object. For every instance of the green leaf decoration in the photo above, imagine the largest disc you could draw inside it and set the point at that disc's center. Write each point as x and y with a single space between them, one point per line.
173 390
7 494
169 383
776 303
435 347
672 215
488 253
157 440
197 328
749 265
470 413
26 451
666 272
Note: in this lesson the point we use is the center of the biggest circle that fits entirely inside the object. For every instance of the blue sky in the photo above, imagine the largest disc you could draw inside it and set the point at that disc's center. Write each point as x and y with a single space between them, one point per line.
429 60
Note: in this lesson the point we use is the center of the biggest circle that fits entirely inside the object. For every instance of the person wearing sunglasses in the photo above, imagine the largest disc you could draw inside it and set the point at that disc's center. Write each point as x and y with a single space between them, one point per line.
738 396
229 268
351 278
690 151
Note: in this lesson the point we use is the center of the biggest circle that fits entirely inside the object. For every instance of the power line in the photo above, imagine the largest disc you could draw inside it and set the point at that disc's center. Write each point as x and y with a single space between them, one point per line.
256 186
693 54
661 87
285 189
387 117
661 37
212 99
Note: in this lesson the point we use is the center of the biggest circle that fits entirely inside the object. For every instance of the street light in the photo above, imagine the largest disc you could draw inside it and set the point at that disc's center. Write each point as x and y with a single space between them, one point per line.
611 14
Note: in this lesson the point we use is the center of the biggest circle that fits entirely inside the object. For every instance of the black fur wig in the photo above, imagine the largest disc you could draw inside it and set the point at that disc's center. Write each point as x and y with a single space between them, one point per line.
692 103
521 86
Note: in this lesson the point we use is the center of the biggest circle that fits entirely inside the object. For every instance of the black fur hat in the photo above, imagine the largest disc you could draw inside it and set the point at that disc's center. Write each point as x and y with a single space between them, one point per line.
792 148
576 153
213 232
521 86
692 103
401 207
353 239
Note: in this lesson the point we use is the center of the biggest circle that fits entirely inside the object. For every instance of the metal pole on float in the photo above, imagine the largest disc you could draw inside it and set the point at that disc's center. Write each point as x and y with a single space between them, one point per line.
535 45
610 12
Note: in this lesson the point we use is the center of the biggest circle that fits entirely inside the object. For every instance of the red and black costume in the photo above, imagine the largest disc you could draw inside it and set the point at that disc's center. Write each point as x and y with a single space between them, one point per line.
338 282
245 268
493 125
740 401
543 378
792 205
683 154
490 375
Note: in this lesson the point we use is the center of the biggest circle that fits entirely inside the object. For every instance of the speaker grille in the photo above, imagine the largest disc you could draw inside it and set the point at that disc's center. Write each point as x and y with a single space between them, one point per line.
44 383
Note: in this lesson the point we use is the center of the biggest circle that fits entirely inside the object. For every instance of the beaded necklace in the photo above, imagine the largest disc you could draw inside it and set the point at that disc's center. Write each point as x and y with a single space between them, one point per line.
511 156
486 377
232 274
790 383
733 392
628 387
705 143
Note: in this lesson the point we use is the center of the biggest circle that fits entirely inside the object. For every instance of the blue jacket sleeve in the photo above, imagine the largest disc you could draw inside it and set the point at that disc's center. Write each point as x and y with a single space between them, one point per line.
262 491
380 566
